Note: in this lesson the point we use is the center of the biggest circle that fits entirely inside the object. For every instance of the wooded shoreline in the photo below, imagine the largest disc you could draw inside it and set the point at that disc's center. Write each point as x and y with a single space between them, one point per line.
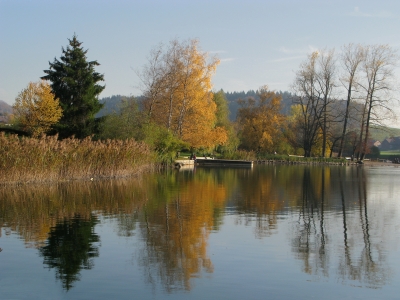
47 159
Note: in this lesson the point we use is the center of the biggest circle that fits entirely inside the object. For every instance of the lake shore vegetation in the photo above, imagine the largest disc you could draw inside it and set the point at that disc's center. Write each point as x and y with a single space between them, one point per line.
46 159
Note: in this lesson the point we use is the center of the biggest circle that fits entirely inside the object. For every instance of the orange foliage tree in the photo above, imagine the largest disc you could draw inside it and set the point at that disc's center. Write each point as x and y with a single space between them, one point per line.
260 122
177 89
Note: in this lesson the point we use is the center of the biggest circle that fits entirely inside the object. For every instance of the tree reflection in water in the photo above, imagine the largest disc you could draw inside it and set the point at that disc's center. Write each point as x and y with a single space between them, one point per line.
70 247
310 238
177 228
365 262
317 244
337 229
258 199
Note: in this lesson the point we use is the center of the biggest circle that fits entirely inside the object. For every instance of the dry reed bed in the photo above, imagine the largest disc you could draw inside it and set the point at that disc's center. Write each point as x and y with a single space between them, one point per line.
49 159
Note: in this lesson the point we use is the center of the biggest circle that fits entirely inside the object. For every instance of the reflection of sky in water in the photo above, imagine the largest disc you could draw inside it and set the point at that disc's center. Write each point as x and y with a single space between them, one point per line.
247 262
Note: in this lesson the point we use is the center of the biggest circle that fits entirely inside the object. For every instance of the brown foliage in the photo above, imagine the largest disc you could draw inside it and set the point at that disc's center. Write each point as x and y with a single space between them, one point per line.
261 122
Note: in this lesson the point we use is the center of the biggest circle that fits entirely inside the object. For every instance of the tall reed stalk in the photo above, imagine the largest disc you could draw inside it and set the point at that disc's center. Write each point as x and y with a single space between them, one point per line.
49 159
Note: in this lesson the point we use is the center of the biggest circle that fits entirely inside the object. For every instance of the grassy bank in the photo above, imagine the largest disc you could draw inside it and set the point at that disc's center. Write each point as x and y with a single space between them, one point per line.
249 155
294 159
390 155
263 158
48 159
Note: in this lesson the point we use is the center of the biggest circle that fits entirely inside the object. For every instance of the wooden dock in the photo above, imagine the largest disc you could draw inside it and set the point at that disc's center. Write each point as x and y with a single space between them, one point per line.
223 162
184 163
209 162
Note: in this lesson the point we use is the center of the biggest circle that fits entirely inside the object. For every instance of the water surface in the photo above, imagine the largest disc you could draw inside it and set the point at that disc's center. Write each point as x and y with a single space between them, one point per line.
270 232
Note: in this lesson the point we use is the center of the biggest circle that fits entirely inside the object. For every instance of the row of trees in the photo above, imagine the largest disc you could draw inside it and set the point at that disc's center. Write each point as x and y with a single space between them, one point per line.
335 98
66 100
178 109
339 97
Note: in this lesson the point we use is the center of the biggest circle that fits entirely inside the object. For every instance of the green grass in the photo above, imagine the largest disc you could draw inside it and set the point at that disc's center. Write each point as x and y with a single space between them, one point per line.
390 153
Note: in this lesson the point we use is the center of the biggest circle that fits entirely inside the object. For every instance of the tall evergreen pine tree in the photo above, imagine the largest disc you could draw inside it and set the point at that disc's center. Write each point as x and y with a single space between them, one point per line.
74 82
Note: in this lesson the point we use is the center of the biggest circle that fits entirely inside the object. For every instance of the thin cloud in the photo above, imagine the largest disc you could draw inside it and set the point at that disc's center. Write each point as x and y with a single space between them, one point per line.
288 51
304 50
222 60
286 58
227 59
293 54
361 14
217 51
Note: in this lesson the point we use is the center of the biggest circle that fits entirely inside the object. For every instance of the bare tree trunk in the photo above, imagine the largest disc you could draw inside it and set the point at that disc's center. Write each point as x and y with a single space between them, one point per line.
346 117
352 57
361 132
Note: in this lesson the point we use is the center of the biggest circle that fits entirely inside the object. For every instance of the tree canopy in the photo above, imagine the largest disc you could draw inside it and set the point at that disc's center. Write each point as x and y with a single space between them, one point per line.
177 89
74 82
36 109
367 83
260 122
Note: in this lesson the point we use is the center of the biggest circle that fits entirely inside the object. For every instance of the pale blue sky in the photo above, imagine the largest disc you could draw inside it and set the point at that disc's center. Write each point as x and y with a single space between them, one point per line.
258 42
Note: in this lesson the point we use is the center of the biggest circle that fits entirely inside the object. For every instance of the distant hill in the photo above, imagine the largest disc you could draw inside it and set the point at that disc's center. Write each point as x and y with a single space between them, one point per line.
233 98
111 103
5 111
5 107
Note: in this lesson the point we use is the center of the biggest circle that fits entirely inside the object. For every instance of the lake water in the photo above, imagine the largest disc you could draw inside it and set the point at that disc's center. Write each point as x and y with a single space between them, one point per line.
267 232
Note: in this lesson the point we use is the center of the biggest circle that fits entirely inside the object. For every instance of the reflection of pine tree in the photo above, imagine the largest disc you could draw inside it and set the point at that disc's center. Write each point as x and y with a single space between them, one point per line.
70 247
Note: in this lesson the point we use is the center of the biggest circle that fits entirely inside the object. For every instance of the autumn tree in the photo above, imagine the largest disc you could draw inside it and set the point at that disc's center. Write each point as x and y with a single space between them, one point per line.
293 129
36 109
260 121
74 82
176 83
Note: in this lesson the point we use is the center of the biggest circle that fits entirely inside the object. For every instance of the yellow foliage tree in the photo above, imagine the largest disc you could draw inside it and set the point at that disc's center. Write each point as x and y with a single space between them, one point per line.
177 87
36 109
295 133
261 122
